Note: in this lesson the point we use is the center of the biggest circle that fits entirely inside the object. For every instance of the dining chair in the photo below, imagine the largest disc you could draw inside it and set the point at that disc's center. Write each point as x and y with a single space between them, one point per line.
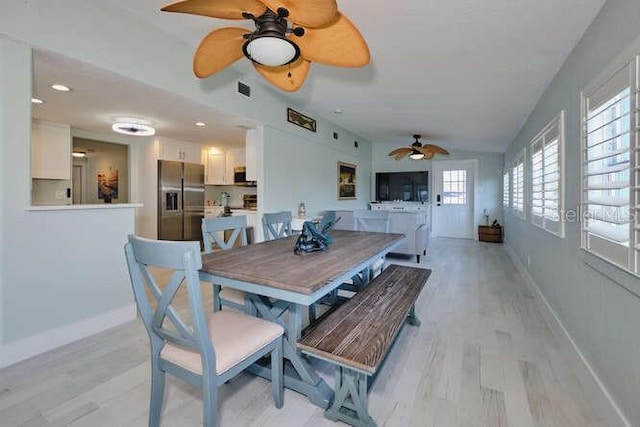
214 231
276 225
374 221
202 350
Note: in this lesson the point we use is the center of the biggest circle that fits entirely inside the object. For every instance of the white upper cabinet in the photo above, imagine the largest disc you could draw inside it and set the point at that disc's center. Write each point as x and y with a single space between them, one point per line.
50 150
215 169
236 157
179 151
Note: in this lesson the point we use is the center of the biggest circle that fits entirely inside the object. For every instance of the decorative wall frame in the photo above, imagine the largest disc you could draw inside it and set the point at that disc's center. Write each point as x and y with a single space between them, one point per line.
346 181
301 120
107 184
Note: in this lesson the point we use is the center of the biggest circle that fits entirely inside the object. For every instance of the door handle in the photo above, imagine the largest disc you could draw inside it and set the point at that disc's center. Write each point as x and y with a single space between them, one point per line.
438 200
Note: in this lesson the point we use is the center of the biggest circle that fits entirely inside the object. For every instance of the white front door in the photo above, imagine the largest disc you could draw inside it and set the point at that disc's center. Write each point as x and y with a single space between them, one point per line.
453 204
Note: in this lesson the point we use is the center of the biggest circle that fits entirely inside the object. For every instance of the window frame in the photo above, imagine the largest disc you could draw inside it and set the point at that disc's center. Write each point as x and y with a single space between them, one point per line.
520 159
506 189
557 228
623 256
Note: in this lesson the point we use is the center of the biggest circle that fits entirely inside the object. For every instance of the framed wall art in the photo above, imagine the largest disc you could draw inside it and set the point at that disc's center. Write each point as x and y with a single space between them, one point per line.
301 120
346 181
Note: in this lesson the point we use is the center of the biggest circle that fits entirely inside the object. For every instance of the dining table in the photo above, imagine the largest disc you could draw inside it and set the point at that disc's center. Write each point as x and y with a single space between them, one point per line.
280 285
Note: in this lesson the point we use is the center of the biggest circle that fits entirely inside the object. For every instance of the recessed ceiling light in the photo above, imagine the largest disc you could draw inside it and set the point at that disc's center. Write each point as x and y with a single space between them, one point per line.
201 124
133 126
60 87
36 101
338 111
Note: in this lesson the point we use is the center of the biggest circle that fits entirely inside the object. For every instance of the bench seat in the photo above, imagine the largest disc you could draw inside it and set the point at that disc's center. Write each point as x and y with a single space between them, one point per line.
358 335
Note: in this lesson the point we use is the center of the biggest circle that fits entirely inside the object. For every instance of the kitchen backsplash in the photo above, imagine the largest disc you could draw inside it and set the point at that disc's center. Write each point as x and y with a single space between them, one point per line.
212 193
50 192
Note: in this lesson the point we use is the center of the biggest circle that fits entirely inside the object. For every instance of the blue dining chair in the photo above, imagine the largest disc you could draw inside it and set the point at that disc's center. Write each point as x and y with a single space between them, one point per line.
214 231
202 350
276 225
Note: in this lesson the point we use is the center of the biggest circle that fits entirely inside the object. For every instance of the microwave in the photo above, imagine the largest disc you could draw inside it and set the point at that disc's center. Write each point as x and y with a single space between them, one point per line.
240 177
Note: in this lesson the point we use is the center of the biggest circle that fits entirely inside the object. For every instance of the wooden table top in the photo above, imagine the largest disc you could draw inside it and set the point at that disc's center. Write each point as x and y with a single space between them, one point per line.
274 264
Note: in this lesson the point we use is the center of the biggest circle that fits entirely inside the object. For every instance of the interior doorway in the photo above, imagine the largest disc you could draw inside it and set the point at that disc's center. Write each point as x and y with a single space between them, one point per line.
77 184
454 186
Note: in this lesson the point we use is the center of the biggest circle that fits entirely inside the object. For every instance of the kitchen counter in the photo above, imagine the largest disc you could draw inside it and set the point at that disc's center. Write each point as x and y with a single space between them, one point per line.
83 207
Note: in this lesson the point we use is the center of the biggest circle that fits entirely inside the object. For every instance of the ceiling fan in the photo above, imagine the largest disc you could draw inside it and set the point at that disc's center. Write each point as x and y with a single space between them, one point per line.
417 151
288 36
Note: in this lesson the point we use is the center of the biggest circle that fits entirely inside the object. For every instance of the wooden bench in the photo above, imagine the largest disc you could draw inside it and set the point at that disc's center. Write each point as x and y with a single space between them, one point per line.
358 335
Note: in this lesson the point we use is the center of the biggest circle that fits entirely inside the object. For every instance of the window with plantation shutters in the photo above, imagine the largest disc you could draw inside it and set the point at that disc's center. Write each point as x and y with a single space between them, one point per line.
610 176
505 189
547 199
517 185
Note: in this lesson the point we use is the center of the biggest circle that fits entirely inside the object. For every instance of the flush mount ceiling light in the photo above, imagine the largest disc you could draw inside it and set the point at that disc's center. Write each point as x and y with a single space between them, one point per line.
417 151
132 126
36 101
60 87
200 124
78 153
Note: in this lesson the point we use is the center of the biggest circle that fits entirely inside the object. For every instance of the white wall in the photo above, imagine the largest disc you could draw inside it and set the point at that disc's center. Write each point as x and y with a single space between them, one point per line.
166 63
4 136
594 300
490 166
59 267
301 168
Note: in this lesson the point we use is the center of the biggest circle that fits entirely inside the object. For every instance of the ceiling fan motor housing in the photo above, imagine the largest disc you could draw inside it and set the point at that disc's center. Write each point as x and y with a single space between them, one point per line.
271 27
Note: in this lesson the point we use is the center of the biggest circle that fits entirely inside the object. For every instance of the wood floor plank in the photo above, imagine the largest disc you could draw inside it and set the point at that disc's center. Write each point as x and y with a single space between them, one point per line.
484 356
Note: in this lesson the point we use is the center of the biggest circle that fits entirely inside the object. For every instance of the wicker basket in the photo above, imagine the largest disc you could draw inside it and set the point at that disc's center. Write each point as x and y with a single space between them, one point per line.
489 233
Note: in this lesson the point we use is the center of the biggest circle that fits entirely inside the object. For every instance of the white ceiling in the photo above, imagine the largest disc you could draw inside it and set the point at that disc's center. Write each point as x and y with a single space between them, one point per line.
98 97
465 73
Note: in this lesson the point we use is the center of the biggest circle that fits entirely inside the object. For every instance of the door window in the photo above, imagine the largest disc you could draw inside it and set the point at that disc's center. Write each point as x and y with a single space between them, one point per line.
454 187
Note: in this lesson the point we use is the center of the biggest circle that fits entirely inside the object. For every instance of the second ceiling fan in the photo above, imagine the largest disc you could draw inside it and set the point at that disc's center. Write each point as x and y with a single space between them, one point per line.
288 36
417 151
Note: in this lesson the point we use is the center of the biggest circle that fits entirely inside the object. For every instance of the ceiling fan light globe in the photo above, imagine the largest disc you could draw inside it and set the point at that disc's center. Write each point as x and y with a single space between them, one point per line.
271 51
416 156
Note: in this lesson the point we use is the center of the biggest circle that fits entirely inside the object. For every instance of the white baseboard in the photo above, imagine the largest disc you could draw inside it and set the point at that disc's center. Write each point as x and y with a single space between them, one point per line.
14 352
550 315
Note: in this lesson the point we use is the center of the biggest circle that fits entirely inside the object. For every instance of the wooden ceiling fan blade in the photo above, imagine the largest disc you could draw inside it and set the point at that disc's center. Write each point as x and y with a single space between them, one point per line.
430 148
219 49
404 151
223 9
286 77
428 156
339 44
308 13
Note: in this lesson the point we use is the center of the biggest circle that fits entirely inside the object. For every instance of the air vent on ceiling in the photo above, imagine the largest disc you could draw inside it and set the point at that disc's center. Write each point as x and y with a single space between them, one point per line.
244 89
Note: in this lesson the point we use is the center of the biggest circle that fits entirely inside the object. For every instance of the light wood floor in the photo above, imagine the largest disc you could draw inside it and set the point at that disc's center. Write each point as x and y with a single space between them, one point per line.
484 356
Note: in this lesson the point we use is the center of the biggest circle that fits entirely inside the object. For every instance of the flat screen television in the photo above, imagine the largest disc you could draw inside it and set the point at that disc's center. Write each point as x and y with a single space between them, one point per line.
403 186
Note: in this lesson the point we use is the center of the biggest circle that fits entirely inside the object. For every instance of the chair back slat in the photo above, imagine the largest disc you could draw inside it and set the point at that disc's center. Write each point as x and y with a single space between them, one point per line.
276 225
213 232
376 221
163 322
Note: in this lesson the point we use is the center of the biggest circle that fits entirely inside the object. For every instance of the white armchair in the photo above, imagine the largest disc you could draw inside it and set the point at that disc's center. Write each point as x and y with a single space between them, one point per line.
414 226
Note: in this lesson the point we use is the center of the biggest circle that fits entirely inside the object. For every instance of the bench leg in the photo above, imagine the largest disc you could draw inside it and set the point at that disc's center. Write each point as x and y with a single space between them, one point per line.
350 399
412 319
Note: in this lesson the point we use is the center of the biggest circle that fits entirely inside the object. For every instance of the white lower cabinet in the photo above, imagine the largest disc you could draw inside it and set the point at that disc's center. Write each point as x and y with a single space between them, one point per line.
252 221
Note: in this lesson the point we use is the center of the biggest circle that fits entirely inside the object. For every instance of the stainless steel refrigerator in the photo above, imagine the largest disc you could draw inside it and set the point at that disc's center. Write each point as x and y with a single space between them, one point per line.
180 200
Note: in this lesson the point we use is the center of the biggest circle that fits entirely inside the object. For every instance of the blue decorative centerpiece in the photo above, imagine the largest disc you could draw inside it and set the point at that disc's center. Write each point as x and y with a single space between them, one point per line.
315 238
